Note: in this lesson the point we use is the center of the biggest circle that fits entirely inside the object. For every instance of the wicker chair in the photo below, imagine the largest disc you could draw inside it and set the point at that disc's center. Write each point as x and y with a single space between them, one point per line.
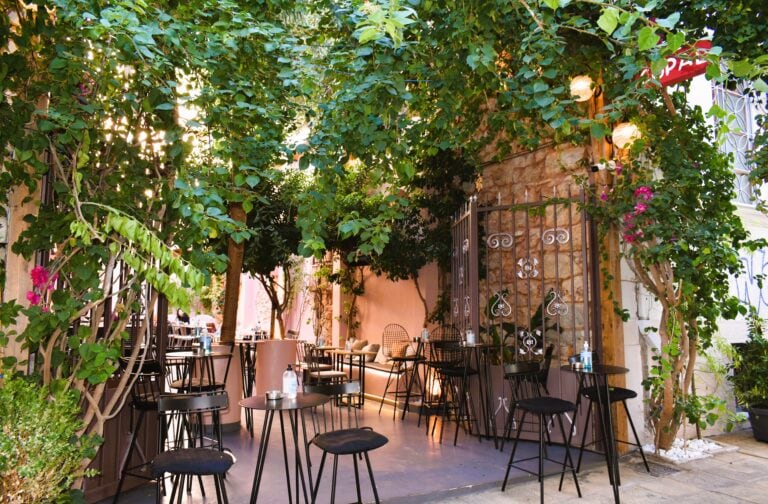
394 344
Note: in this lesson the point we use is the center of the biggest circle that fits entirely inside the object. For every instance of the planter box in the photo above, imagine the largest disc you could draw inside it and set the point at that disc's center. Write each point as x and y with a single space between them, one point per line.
758 419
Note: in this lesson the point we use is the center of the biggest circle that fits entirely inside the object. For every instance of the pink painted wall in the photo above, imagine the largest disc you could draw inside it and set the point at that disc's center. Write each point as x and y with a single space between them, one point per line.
386 302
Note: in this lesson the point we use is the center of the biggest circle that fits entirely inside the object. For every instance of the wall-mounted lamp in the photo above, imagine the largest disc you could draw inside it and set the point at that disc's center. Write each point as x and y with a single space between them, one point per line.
624 135
583 88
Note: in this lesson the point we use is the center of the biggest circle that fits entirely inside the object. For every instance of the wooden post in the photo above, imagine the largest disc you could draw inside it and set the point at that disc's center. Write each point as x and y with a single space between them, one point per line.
611 345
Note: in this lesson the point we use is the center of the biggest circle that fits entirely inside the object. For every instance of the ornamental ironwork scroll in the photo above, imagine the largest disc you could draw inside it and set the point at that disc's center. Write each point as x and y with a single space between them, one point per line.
552 235
557 306
500 306
500 240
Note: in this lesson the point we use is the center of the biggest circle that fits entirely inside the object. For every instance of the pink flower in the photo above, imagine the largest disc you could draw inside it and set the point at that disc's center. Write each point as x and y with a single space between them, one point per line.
644 192
603 196
640 208
39 276
632 237
33 297
629 221
619 167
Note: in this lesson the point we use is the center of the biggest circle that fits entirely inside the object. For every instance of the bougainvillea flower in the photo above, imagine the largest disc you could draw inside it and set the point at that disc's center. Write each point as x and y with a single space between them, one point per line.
33 297
640 208
39 276
644 192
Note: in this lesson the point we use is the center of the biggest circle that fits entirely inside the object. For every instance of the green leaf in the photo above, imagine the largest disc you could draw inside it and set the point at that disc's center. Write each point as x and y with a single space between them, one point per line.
552 4
669 22
675 41
368 34
609 20
741 68
165 106
540 86
658 65
252 180
760 85
647 38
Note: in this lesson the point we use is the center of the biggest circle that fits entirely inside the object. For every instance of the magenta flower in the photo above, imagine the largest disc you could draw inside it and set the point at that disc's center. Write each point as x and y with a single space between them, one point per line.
39 277
33 298
629 221
603 196
619 168
640 208
644 192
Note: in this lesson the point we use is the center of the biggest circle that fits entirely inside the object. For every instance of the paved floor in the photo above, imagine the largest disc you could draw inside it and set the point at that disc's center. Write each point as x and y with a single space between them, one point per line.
737 476
415 468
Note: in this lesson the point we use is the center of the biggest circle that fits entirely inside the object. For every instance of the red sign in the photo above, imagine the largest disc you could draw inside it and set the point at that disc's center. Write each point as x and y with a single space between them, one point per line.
680 69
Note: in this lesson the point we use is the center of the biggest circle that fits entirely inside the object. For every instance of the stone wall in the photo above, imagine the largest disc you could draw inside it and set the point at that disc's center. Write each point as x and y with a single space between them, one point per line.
544 268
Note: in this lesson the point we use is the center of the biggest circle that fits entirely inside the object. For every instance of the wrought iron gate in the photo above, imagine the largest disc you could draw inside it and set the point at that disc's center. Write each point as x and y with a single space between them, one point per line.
524 276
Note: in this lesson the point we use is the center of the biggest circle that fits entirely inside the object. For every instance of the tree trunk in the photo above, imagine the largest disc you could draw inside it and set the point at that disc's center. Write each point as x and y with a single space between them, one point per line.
423 300
235 253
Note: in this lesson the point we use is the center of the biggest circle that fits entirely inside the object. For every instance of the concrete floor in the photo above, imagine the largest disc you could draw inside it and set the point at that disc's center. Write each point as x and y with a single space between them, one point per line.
412 468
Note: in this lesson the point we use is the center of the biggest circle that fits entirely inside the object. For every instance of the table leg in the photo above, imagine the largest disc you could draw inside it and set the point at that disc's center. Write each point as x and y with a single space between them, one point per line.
606 420
262 455
285 459
409 385
293 416
306 450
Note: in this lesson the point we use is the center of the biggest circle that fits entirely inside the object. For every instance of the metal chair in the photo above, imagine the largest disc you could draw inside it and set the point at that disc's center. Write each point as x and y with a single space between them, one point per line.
248 351
145 394
318 370
451 368
430 401
189 452
199 374
532 386
615 394
345 436
394 344
524 381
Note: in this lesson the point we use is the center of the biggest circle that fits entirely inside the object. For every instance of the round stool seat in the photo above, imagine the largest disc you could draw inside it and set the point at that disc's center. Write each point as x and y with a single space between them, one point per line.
616 394
349 441
545 405
202 461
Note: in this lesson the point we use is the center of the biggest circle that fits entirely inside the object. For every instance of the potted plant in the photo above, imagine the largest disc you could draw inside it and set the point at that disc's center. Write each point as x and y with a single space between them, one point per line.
750 377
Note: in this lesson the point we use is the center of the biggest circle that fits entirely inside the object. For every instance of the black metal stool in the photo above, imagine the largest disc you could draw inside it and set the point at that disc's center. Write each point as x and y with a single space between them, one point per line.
346 436
145 394
616 394
545 408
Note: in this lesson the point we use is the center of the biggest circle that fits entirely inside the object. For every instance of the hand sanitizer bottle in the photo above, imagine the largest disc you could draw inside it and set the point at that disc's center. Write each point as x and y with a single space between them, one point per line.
290 383
586 357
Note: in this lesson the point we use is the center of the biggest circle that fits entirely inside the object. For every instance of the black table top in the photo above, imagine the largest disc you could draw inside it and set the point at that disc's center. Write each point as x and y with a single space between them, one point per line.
597 369
301 401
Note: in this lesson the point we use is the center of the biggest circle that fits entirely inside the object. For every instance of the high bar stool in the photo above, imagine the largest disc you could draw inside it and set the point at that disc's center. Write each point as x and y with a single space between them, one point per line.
615 394
145 395
346 437
545 408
